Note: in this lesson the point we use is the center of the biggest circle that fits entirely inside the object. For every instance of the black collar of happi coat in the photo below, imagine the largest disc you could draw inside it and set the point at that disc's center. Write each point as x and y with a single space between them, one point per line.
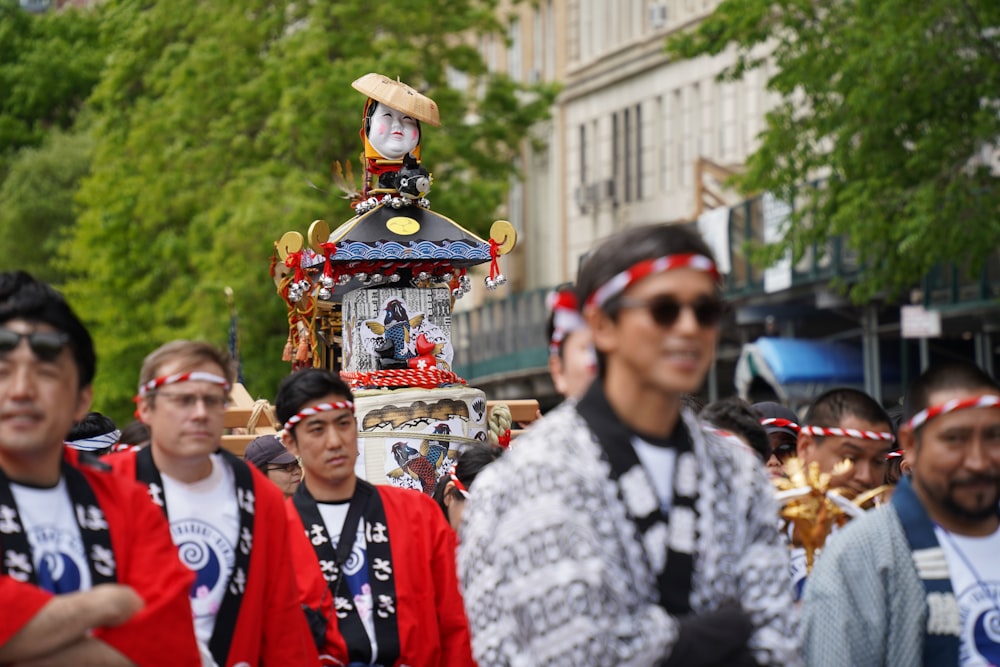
367 504
17 562
669 548
225 620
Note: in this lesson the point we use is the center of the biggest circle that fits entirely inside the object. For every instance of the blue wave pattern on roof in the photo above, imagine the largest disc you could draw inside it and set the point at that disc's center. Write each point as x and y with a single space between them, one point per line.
350 251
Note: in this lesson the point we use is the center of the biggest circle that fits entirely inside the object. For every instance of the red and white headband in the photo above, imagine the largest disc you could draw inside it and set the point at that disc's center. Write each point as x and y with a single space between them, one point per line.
621 281
778 422
315 410
848 433
458 483
566 318
156 383
924 416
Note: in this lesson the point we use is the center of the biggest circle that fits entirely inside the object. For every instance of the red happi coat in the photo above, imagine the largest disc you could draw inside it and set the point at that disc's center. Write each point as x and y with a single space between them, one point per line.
271 628
430 615
162 633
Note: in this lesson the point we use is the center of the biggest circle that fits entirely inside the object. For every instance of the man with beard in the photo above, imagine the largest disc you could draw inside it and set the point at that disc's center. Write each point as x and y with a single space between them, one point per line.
918 582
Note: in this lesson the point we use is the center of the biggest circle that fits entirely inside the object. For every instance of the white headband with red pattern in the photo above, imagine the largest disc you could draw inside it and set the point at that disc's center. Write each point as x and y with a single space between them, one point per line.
315 410
156 383
848 433
566 318
621 281
778 422
924 416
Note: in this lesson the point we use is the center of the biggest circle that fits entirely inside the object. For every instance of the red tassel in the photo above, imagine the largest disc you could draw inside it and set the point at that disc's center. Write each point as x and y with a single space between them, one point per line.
303 352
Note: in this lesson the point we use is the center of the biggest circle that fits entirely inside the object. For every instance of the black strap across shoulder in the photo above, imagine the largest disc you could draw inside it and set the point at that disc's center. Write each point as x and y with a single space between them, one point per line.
15 550
229 610
366 503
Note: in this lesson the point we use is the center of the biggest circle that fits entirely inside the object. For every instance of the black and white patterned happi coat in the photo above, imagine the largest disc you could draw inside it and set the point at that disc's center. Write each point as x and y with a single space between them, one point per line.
553 571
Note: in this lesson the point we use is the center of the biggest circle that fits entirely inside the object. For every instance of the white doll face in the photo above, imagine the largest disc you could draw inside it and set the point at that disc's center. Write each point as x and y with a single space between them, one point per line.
392 133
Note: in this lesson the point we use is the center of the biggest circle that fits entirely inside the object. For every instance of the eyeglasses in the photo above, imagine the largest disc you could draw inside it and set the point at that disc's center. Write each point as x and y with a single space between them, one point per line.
45 345
188 401
665 309
285 467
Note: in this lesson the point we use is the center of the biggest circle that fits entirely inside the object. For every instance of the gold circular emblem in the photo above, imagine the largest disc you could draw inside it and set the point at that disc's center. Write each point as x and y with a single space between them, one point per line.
503 233
402 225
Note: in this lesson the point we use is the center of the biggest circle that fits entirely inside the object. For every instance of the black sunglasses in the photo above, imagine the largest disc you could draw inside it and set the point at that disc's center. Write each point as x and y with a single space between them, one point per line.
46 345
784 451
665 309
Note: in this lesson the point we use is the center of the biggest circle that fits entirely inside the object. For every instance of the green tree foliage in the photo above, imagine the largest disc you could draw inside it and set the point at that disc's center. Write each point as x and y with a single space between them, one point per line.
216 125
892 103
48 67
36 203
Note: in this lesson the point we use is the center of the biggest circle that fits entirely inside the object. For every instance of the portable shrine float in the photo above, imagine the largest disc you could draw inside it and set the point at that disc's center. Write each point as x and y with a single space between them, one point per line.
372 299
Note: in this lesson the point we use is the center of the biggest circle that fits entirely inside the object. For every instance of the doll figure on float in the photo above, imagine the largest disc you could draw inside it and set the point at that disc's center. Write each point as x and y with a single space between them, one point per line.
391 133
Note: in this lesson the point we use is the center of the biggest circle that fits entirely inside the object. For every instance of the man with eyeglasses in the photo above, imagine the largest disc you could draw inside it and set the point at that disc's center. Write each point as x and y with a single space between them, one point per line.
917 582
226 518
618 531
88 574
277 463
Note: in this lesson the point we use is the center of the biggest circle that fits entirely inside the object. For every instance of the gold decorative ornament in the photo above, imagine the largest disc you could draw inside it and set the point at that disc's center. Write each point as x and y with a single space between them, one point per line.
290 242
811 508
504 234
402 225
319 232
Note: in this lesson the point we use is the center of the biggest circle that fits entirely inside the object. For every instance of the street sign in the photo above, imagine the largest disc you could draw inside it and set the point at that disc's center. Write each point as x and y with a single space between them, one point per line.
918 322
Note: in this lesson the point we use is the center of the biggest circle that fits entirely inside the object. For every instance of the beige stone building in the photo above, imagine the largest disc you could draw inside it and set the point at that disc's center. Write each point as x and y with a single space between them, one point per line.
634 138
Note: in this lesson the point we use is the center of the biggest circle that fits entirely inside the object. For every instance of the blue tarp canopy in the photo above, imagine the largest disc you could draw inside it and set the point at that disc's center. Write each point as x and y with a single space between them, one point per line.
799 369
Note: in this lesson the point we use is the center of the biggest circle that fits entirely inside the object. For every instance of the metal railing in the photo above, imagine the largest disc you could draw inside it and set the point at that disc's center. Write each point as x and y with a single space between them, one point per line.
502 336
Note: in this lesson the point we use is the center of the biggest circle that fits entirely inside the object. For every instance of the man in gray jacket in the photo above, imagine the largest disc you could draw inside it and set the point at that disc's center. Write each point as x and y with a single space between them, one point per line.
618 531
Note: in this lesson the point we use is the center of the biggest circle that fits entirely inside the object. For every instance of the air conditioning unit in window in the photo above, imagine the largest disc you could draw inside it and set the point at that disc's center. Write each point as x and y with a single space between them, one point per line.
657 15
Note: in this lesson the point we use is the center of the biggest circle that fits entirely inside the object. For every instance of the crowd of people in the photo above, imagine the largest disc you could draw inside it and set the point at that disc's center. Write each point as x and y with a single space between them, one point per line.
628 526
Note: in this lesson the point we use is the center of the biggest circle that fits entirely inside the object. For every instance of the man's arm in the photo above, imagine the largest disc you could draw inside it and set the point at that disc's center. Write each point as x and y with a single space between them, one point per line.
65 621
86 652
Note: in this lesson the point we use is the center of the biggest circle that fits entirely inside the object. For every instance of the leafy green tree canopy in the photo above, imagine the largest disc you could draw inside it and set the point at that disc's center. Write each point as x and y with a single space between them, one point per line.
48 66
894 104
216 125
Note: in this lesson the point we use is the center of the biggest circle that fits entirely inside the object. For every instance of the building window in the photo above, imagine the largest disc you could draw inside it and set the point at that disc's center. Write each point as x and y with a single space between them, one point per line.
514 50
550 41
638 152
627 157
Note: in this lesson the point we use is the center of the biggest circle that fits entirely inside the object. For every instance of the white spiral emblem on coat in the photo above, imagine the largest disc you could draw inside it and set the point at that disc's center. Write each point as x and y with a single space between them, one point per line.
356 559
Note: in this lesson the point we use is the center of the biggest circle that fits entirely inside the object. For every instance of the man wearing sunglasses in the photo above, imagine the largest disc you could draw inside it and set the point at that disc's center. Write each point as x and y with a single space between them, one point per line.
781 425
88 574
226 518
618 531
277 463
